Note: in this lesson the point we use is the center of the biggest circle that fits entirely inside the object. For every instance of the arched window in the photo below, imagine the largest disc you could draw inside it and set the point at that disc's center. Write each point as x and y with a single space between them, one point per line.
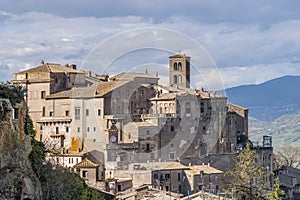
175 66
175 79
179 66
179 79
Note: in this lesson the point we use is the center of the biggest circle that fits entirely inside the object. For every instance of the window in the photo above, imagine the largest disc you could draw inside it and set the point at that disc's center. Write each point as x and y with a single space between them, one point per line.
167 176
56 130
51 113
88 129
67 113
78 129
175 79
187 108
172 155
67 129
178 176
179 66
94 128
147 147
44 111
167 188
175 66
172 128
84 174
99 112
155 176
43 94
148 132
179 79
77 113
141 92
87 112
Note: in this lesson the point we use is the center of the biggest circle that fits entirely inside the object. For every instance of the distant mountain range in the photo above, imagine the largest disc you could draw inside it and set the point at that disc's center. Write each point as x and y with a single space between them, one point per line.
270 100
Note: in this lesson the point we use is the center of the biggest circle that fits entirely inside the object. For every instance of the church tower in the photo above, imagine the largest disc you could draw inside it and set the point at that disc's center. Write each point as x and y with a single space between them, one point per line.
179 74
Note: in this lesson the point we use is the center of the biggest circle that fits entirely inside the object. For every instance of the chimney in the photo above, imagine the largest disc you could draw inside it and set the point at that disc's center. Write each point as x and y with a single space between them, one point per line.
73 66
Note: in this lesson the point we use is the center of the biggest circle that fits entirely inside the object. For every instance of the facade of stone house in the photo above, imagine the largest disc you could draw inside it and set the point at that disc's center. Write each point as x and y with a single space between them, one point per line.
91 172
203 178
289 178
46 79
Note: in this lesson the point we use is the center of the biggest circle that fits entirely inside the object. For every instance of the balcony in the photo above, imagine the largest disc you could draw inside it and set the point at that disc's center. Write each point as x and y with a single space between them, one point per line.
54 119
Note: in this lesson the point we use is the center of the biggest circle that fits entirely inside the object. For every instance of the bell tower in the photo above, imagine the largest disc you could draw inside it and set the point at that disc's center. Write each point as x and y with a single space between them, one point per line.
179 71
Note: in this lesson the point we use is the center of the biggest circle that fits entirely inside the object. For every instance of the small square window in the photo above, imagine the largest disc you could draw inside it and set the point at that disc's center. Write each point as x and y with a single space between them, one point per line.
172 155
67 129
67 113
84 174
87 112
99 112
51 113
43 94
77 113
94 128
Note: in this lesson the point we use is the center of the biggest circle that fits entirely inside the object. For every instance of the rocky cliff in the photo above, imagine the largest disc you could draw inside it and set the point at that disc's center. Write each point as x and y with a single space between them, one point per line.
17 179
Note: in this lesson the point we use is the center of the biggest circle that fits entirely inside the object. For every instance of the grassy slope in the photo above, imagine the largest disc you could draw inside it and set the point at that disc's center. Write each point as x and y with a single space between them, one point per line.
284 130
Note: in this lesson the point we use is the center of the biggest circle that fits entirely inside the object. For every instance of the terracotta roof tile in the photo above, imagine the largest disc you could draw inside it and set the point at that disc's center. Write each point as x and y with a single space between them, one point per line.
195 169
131 75
49 67
86 163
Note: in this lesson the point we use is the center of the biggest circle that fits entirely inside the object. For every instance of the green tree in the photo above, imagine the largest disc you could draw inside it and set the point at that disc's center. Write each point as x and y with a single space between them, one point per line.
277 193
247 178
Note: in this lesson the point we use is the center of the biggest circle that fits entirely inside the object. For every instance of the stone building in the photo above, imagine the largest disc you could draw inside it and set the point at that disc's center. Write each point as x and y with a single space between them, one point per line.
129 117
46 79
91 172
289 178
203 178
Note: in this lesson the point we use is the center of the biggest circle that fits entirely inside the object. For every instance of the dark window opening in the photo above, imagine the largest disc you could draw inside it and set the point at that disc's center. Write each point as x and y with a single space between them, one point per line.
43 94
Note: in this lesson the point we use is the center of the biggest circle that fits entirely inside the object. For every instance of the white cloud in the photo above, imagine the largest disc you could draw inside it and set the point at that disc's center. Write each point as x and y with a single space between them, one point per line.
256 74
244 52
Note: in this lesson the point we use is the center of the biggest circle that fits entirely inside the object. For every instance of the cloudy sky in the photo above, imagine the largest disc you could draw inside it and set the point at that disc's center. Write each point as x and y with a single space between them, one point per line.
249 41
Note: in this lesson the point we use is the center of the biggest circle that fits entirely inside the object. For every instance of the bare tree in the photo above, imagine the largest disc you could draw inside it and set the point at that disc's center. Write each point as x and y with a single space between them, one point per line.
287 155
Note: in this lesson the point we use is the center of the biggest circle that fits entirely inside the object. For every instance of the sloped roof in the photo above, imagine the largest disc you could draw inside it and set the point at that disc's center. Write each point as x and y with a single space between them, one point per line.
75 92
195 169
165 96
86 163
231 105
104 88
164 166
50 67
179 56
132 75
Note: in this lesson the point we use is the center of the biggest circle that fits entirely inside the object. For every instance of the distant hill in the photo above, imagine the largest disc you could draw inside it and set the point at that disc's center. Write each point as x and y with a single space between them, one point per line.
269 100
